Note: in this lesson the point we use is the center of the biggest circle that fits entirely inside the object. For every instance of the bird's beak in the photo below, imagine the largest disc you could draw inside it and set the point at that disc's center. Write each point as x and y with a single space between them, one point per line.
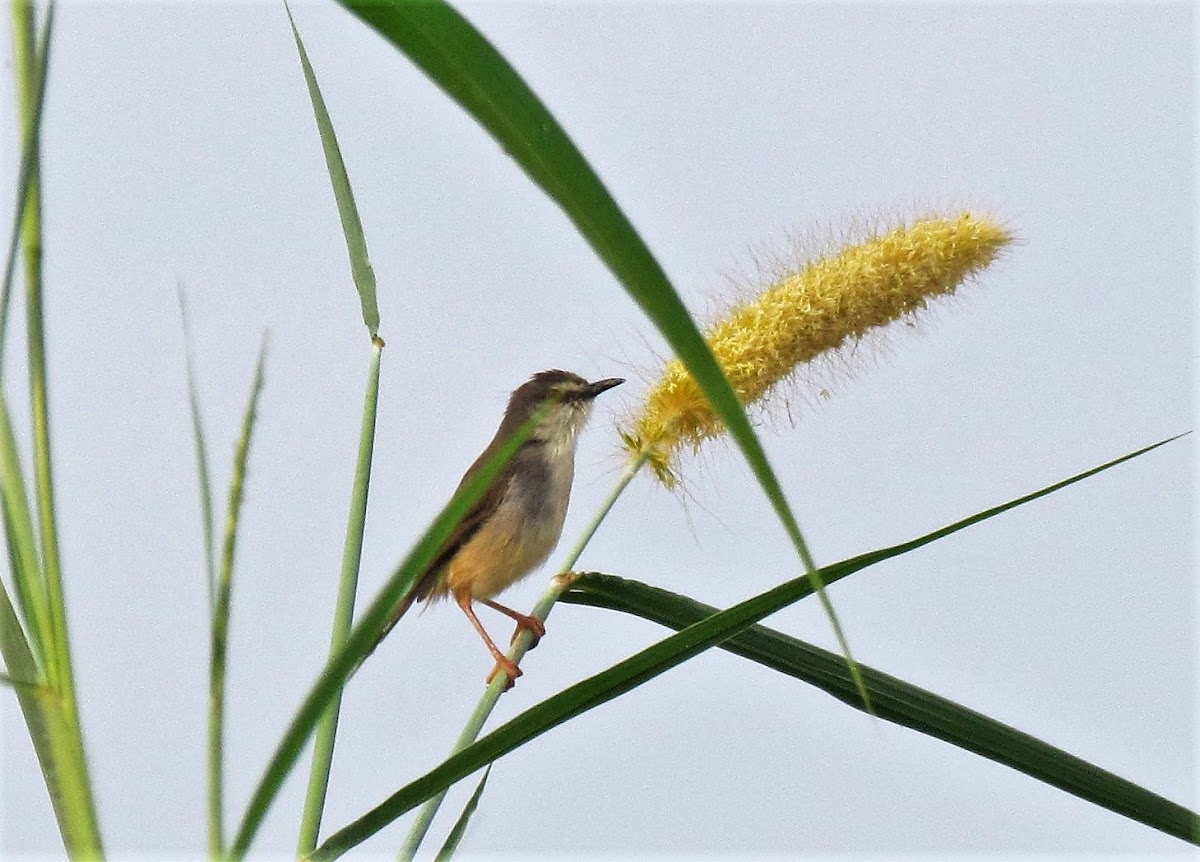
594 389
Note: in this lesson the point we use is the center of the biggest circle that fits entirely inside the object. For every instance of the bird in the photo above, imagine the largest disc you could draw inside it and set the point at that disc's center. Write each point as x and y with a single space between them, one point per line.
517 522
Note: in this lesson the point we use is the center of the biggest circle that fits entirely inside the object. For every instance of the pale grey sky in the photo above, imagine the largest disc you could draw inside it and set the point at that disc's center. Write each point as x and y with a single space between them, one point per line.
179 146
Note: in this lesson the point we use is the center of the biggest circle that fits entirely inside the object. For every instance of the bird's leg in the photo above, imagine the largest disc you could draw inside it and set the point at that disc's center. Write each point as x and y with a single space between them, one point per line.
463 598
535 626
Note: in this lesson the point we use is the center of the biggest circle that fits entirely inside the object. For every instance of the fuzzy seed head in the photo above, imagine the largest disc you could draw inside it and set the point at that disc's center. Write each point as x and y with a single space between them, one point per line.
827 304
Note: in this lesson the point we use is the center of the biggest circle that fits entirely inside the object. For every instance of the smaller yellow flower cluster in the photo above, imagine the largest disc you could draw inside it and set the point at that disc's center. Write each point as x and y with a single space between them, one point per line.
820 308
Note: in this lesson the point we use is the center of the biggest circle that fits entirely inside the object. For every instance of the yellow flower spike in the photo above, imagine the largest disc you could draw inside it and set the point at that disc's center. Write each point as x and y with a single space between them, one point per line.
820 308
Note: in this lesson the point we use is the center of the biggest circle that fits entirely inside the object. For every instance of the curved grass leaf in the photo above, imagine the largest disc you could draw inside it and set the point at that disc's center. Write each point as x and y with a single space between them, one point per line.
220 617
352 229
900 702
641 668
471 71
363 636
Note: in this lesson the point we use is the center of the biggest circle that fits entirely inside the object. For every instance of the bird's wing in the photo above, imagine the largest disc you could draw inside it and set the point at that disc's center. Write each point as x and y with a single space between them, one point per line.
466 528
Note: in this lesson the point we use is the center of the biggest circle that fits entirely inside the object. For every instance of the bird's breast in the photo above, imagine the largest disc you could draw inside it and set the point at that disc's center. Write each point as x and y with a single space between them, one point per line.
524 528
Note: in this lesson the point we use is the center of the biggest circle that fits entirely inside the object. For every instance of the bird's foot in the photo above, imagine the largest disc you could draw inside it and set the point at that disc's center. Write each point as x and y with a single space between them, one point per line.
510 670
533 625
524 621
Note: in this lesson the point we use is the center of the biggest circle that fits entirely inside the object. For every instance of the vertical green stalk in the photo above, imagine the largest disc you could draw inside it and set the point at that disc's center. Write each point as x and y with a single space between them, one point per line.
81 834
29 82
558 585
318 779
220 620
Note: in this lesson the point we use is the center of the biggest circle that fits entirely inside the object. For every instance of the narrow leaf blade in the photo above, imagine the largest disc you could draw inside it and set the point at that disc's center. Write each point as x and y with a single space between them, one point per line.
352 229
201 449
900 702
220 617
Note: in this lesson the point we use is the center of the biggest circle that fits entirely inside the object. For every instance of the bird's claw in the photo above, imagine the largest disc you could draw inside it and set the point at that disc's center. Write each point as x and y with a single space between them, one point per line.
532 625
509 668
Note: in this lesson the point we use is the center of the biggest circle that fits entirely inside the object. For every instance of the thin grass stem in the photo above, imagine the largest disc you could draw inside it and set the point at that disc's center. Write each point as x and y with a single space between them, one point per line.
343 620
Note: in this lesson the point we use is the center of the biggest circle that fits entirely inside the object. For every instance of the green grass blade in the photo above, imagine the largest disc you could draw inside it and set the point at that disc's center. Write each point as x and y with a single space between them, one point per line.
206 500
460 825
638 669
22 546
220 616
362 637
28 182
66 769
14 646
318 780
902 703
471 71
30 690
356 242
